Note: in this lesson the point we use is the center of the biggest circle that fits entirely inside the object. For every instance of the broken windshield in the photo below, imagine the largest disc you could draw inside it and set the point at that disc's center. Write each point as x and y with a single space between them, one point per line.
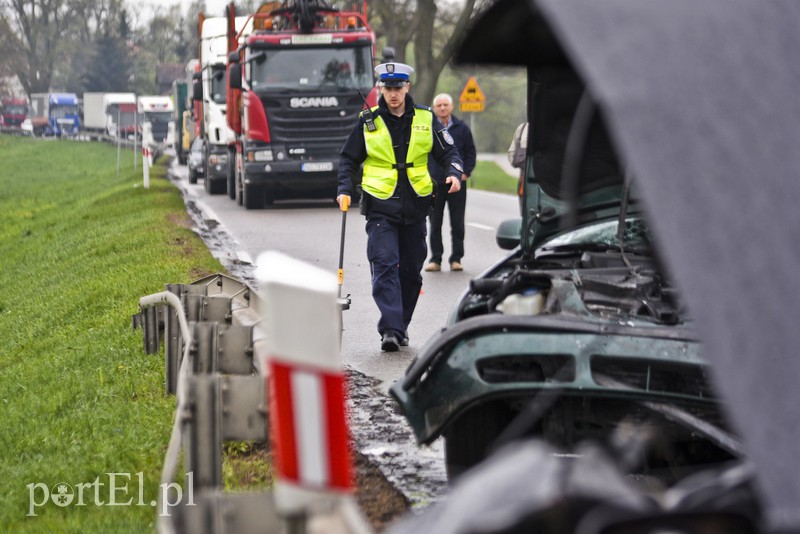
312 69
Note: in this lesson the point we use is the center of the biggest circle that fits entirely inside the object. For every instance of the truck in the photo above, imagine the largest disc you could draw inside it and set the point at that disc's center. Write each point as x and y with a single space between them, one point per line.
55 114
101 111
297 84
210 89
13 111
157 111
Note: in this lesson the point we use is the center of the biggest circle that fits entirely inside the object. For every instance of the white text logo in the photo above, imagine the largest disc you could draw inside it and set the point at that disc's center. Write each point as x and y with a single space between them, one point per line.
314 102
115 489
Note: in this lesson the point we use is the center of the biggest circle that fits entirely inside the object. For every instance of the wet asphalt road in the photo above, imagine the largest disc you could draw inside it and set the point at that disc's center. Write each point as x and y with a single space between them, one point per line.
311 231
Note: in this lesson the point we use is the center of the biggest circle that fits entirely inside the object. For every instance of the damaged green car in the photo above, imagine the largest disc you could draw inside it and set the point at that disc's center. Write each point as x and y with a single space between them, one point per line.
579 330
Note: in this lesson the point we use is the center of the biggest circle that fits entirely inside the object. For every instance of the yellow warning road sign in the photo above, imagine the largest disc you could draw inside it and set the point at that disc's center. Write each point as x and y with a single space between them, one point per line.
472 98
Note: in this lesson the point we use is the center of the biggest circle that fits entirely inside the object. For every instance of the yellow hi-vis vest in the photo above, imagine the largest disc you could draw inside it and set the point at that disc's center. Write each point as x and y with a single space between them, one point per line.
380 168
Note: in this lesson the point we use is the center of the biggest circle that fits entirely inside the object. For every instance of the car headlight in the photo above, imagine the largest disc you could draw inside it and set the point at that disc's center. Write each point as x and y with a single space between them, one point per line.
262 155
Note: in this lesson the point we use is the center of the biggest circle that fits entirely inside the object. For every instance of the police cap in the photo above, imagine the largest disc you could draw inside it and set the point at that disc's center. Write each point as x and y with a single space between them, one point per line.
393 74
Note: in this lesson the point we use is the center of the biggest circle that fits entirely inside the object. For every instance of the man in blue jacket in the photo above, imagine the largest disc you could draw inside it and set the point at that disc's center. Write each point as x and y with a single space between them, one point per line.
393 141
459 132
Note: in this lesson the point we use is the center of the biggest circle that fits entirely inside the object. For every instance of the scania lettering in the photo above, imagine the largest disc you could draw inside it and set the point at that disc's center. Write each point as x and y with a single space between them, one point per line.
314 102
294 97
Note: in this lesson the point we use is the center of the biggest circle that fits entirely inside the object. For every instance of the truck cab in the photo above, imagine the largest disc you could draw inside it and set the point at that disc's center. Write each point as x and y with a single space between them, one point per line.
120 114
13 112
157 111
219 138
304 73
55 113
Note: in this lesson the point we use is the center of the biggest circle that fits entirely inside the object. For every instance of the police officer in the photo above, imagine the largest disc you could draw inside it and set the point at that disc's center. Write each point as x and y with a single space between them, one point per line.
393 141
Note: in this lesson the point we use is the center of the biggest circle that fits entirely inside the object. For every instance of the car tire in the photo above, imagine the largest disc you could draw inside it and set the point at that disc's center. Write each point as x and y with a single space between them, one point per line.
215 187
192 176
468 439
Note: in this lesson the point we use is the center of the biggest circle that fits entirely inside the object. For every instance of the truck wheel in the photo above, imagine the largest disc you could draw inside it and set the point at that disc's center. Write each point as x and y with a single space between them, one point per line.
215 187
253 196
231 174
237 183
467 441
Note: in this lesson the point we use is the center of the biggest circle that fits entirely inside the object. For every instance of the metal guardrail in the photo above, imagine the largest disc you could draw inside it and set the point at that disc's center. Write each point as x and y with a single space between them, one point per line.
212 346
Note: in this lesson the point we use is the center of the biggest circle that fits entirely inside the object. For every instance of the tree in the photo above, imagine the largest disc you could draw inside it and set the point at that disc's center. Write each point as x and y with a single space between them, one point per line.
40 28
109 70
434 31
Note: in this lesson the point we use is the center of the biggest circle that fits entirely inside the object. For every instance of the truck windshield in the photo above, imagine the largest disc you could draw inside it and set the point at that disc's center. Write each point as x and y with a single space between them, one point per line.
60 111
15 110
218 84
312 69
157 117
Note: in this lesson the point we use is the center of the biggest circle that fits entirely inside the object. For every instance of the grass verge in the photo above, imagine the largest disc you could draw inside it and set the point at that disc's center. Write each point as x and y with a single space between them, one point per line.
488 176
79 399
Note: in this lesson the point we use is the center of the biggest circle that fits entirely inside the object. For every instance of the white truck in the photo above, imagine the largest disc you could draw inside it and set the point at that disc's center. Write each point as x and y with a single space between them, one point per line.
101 111
212 87
157 112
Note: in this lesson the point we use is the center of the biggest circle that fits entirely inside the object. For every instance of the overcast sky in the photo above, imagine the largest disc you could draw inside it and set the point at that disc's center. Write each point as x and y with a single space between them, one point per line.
214 8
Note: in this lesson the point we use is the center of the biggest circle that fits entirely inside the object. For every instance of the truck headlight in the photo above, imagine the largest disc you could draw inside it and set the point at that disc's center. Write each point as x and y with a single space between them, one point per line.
262 155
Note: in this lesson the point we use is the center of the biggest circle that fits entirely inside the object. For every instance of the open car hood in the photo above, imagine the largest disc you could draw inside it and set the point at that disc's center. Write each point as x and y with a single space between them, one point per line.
700 103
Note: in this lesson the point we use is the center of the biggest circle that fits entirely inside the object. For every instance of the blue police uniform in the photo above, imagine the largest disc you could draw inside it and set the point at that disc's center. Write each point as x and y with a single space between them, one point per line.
396 226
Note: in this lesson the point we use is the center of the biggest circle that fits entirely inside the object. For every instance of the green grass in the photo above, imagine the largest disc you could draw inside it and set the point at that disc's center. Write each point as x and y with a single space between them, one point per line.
79 398
488 176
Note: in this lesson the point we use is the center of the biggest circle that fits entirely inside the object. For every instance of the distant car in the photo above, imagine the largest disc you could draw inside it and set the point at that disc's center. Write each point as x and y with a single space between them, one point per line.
195 161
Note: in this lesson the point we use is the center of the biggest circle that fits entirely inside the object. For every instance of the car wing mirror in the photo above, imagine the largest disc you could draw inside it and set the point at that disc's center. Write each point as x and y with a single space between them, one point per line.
508 234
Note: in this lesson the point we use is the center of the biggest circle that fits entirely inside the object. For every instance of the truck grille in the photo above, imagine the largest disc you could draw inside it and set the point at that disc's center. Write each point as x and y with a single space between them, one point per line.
321 131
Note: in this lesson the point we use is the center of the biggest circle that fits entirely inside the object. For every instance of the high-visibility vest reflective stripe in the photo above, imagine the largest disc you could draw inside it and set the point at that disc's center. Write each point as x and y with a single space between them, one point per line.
380 168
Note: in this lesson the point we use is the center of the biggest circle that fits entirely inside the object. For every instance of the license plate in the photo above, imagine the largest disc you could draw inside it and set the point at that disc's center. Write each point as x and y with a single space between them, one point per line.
317 166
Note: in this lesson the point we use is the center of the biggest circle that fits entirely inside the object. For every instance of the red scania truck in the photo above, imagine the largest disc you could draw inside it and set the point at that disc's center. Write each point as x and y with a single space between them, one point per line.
297 83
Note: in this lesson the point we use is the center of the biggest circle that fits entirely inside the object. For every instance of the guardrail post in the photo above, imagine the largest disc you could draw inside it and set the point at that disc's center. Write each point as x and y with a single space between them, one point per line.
172 343
204 442
306 386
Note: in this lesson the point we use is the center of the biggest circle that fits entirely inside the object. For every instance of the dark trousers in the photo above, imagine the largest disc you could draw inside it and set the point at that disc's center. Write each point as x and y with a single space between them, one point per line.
456 205
396 253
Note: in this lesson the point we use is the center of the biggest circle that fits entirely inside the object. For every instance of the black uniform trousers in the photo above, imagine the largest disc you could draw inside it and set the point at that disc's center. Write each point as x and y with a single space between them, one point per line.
396 252
456 206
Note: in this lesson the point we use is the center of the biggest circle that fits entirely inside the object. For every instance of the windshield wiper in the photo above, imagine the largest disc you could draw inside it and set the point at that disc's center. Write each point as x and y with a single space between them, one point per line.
569 248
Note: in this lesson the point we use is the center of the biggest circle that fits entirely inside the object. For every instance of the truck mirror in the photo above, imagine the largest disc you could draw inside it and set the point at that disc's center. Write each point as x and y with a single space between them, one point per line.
197 89
388 53
235 76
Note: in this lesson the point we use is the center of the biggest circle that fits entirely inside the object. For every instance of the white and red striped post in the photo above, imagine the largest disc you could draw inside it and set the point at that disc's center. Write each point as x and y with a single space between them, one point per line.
147 154
306 387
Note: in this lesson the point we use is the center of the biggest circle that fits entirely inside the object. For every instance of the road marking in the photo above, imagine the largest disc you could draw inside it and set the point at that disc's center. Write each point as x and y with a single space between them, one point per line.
480 226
